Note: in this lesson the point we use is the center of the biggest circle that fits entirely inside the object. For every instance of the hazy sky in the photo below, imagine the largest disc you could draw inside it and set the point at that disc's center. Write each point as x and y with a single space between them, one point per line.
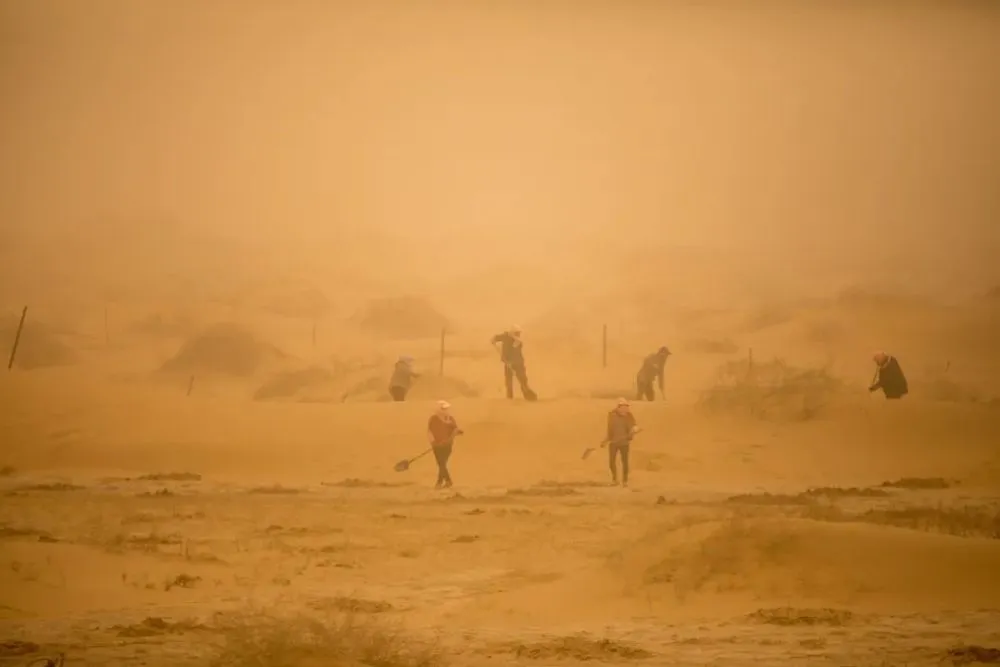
509 127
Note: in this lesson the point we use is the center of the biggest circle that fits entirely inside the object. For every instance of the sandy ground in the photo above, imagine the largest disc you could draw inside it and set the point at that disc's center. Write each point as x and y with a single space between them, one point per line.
126 501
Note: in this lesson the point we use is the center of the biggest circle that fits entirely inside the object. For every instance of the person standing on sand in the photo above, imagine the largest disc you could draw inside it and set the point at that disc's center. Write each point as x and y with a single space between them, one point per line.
888 377
652 370
621 428
402 377
441 431
512 356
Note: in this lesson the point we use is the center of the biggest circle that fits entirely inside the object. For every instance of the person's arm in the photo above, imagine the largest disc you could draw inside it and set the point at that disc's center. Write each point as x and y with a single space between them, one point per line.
610 430
457 429
430 430
876 381
659 376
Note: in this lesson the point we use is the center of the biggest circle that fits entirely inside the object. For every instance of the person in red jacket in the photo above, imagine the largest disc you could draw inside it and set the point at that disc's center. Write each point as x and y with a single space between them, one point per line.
441 431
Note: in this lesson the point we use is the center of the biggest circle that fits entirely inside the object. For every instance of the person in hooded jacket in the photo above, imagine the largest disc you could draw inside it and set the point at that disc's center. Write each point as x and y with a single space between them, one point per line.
888 377
402 378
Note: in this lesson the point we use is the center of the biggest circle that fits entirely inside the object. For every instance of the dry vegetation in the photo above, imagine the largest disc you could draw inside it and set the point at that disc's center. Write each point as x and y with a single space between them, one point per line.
263 640
771 390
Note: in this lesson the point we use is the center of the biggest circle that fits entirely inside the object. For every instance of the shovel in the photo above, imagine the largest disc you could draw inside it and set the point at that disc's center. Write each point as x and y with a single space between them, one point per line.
404 465
587 452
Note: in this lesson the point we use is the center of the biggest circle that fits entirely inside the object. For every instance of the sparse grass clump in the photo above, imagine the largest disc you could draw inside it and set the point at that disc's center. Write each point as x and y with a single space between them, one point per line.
578 647
260 640
918 483
792 616
170 477
772 390
957 521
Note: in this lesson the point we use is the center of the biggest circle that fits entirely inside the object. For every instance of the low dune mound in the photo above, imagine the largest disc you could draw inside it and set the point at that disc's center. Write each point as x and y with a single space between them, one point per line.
823 565
162 326
313 384
772 390
711 346
39 346
224 349
404 317
426 387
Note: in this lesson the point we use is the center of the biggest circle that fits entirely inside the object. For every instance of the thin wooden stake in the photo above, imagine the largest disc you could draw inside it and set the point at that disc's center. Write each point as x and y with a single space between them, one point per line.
190 386
604 347
441 360
17 339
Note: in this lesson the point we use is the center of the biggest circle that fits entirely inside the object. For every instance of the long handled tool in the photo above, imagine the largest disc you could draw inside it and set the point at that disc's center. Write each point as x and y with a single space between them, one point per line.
589 450
404 465
604 443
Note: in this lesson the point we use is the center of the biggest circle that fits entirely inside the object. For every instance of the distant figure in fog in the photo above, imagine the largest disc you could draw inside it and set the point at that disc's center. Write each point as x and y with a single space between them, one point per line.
512 356
402 377
888 377
651 371
441 431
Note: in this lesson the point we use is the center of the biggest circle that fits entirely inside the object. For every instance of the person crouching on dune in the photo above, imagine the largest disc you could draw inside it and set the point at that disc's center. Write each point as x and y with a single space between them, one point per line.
441 431
888 377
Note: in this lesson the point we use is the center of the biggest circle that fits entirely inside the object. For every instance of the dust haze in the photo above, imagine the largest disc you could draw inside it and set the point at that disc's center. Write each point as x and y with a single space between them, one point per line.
228 221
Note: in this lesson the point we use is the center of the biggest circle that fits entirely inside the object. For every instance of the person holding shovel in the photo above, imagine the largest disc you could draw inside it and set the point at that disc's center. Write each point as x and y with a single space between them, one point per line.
441 431
621 429
512 356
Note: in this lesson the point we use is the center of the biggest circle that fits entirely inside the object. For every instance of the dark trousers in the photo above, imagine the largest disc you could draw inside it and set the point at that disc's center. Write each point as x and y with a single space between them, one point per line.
613 451
441 454
510 371
644 390
398 393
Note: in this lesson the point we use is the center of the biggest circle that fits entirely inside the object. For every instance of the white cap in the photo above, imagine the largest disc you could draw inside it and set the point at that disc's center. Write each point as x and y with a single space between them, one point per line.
514 328
622 401
443 405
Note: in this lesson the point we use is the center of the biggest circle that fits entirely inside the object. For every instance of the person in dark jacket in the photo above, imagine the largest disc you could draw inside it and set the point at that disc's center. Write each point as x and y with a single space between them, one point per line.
621 429
402 378
441 431
512 355
651 371
889 377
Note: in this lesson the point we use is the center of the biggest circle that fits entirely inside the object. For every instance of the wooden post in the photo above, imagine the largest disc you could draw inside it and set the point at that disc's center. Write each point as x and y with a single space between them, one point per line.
17 339
441 360
190 386
604 347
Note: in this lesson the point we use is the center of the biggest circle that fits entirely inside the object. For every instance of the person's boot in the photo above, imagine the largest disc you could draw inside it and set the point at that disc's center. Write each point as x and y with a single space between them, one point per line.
448 484
438 485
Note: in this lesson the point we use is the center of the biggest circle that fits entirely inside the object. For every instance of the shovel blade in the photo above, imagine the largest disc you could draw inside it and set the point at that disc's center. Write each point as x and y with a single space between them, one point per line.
587 452
402 466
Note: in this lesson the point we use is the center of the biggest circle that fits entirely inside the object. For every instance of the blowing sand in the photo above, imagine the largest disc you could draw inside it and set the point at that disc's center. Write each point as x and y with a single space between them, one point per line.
139 521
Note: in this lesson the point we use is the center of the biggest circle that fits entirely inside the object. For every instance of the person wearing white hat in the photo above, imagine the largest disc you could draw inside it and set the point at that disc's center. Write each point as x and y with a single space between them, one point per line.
441 431
402 378
622 428
512 355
